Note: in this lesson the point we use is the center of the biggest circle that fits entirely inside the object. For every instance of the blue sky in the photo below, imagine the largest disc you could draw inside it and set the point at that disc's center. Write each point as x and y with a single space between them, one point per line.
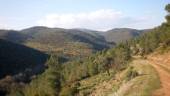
92 14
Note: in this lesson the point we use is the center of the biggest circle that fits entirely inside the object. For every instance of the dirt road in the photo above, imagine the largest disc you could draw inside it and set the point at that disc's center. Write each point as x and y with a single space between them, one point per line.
162 66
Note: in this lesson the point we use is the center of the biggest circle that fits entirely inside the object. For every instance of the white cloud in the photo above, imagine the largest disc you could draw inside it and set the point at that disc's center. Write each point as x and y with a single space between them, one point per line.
99 20
3 25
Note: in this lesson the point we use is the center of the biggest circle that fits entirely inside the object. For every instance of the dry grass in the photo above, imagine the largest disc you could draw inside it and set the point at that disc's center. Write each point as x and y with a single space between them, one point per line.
142 85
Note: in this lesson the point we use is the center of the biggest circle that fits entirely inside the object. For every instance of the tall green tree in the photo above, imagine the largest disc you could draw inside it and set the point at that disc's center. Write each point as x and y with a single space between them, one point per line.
167 8
54 69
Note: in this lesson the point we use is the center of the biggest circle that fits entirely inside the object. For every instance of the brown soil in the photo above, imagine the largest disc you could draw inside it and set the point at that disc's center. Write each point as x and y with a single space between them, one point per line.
162 65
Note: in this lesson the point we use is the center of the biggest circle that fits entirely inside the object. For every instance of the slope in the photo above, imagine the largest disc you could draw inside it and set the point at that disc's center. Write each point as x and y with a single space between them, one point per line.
139 78
122 34
16 58
68 42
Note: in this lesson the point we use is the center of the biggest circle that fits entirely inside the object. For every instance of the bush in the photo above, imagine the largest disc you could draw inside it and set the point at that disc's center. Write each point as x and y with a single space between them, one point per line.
131 73
70 90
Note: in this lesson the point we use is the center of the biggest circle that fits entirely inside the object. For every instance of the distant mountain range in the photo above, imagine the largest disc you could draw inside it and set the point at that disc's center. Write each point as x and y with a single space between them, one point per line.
71 42
59 34
17 48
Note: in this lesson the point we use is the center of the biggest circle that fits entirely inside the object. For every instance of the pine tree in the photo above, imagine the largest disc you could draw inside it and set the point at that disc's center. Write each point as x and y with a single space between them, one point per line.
53 72
167 8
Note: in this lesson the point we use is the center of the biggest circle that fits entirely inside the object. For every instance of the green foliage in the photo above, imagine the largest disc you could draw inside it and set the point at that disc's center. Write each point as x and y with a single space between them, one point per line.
167 8
122 54
149 41
131 73
115 58
93 68
70 90
47 84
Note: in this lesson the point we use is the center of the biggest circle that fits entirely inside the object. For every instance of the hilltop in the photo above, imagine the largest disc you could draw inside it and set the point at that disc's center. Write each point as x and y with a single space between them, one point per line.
118 35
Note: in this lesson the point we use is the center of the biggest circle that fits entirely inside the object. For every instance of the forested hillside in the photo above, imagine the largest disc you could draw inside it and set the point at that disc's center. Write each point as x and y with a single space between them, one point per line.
58 37
118 35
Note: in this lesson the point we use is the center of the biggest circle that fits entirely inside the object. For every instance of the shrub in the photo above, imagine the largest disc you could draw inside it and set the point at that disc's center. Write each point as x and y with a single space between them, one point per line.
131 73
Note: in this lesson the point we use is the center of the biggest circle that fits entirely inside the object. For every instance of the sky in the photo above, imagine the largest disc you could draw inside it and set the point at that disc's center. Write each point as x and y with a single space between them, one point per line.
90 14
